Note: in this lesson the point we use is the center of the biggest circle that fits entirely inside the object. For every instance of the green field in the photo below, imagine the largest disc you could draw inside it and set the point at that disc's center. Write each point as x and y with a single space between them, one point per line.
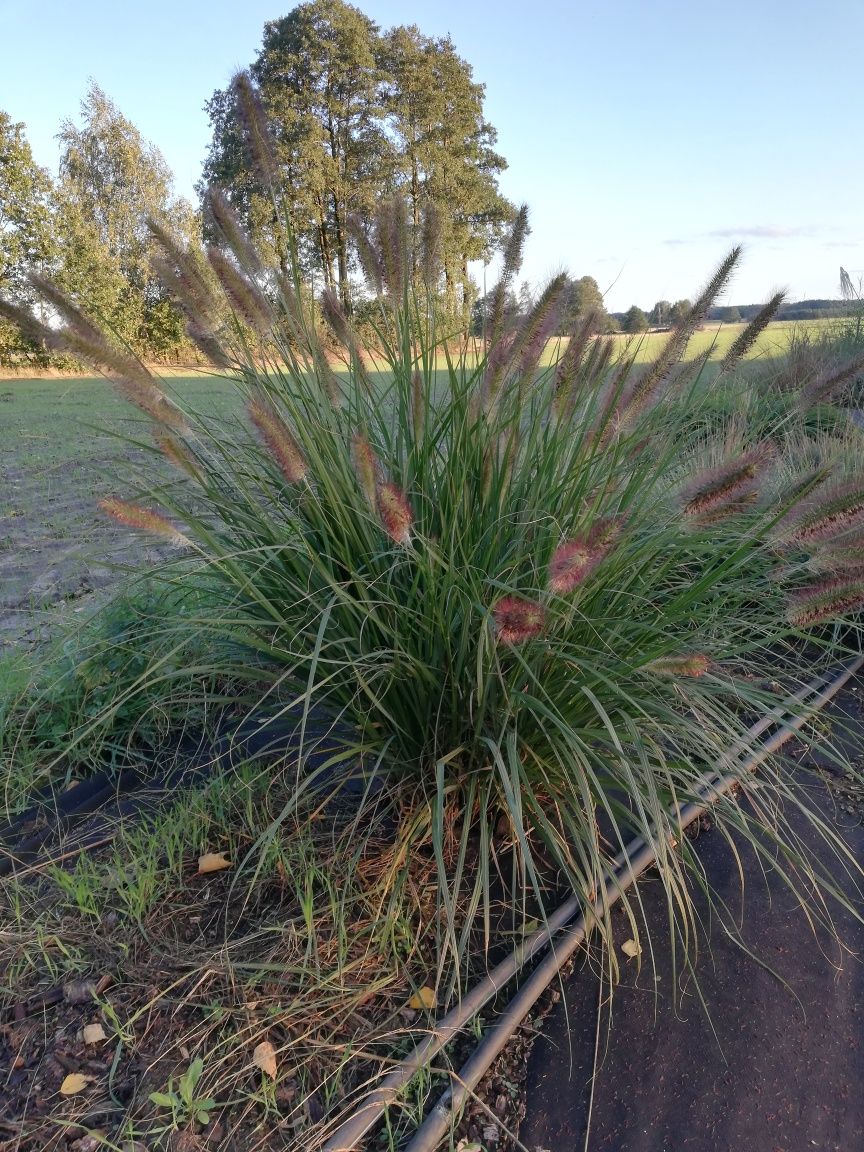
773 342
62 449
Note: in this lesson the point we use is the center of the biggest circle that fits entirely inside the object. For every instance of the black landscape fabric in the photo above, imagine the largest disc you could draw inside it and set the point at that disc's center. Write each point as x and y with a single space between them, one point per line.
772 1062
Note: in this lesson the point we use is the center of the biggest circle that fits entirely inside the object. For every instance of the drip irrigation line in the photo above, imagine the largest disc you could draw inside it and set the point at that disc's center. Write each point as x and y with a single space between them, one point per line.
625 870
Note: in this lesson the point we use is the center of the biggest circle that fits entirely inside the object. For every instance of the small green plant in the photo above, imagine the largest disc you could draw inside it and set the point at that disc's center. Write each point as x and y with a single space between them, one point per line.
183 1102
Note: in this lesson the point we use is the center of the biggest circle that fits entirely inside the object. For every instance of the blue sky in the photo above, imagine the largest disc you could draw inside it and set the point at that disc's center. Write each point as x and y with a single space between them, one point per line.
647 136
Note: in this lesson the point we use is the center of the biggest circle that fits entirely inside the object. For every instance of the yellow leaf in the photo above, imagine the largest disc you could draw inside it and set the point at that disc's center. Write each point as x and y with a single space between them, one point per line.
425 998
93 1033
264 1057
631 948
74 1083
212 862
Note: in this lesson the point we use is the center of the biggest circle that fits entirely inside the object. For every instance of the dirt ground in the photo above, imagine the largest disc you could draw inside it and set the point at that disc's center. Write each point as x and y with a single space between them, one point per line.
61 451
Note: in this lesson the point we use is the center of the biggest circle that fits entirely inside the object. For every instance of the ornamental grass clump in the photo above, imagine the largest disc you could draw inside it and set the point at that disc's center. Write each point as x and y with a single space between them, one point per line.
537 613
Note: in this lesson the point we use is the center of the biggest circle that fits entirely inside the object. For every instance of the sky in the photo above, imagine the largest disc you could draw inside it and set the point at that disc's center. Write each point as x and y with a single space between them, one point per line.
646 136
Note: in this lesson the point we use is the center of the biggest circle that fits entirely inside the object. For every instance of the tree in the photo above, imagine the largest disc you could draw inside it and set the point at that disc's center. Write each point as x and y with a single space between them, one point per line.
634 320
111 179
356 116
729 314
659 315
320 84
444 148
26 229
679 310
584 297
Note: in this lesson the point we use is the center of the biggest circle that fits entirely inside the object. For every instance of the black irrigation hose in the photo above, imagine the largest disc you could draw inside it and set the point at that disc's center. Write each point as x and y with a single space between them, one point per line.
628 866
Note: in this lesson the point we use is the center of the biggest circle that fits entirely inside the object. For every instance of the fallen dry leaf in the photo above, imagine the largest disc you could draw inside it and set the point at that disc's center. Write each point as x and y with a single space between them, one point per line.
631 948
212 862
264 1057
424 998
74 1083
93 1033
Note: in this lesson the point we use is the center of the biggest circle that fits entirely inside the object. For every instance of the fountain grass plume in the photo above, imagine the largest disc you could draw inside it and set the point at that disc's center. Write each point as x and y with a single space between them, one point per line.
569 364
539 325
673 350
232 233
577 558
74 319
431 247
256 133
518 354
512 262
279 439
367 254
366 467
825 515
143 520
517 620
745 341
25 322
395 512
827 598
827 384
182 271
724 488
391 233
84 341
245 297
680 664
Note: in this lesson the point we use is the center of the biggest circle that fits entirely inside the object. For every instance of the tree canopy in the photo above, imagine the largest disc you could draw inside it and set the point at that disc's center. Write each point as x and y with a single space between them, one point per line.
111 179
357 114
26 226
634 320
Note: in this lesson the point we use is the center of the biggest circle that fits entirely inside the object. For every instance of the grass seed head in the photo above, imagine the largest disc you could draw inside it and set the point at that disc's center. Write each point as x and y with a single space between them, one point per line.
391 229
244 296
334 314
827 384
826 599
575 559
752 332
279 439
226 222
693 664
366 467
431 247
518 620
395 512
143 519
74 318
25 322
716 489
173 449
256 133
367 254
826 517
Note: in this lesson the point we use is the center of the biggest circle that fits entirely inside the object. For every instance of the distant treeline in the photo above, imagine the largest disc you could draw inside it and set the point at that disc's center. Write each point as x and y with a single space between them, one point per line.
795 310
664 314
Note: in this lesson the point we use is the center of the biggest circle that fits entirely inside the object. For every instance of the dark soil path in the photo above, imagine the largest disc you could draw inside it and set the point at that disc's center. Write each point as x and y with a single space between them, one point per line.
763 1066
